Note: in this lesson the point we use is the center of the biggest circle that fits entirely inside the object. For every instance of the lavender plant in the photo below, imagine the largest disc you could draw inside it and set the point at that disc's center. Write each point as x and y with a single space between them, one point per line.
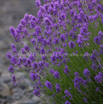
65 52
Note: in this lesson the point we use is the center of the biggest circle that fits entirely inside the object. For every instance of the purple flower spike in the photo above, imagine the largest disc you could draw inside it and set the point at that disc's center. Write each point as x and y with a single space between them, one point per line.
62 37
86 73
51 71
36 92
11 69
85 100
56 40
71 44
14 79
101 49
28 61
100 35
13 46
33 41
23 51
76 74
26 48
46 0
62 16
48 85
97 89
31 57
33 76
37 3
97 40
66 70
56 75
58 89
13 60
13 31
8 55
47 21
67 102
99 78
42 51
35 65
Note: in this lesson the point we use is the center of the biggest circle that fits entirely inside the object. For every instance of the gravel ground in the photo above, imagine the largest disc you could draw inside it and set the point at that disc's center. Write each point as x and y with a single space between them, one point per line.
11 11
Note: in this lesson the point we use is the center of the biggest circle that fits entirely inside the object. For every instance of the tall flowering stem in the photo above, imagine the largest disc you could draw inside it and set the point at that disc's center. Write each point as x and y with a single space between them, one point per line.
64 54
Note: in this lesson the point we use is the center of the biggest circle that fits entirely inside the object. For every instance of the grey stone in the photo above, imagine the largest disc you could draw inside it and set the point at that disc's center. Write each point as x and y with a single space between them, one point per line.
30 102
9 99
5 90
36 99
10 15
22 86
7 80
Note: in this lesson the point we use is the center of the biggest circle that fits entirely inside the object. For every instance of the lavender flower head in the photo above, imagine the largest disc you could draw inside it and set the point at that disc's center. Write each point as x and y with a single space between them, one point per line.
48 85
67 102
71 44
86 73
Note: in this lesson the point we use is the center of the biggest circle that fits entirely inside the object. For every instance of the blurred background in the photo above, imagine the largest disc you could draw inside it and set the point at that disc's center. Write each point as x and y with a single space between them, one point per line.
11 12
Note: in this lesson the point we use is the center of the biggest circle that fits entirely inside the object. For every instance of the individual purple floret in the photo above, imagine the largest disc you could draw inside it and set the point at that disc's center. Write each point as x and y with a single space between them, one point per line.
48 85
86 73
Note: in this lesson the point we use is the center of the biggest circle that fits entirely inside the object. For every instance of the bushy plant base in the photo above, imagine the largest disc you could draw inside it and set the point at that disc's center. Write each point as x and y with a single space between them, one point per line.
64 59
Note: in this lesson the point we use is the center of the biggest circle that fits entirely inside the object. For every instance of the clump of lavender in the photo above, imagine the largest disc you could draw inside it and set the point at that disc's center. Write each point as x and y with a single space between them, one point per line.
64 56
